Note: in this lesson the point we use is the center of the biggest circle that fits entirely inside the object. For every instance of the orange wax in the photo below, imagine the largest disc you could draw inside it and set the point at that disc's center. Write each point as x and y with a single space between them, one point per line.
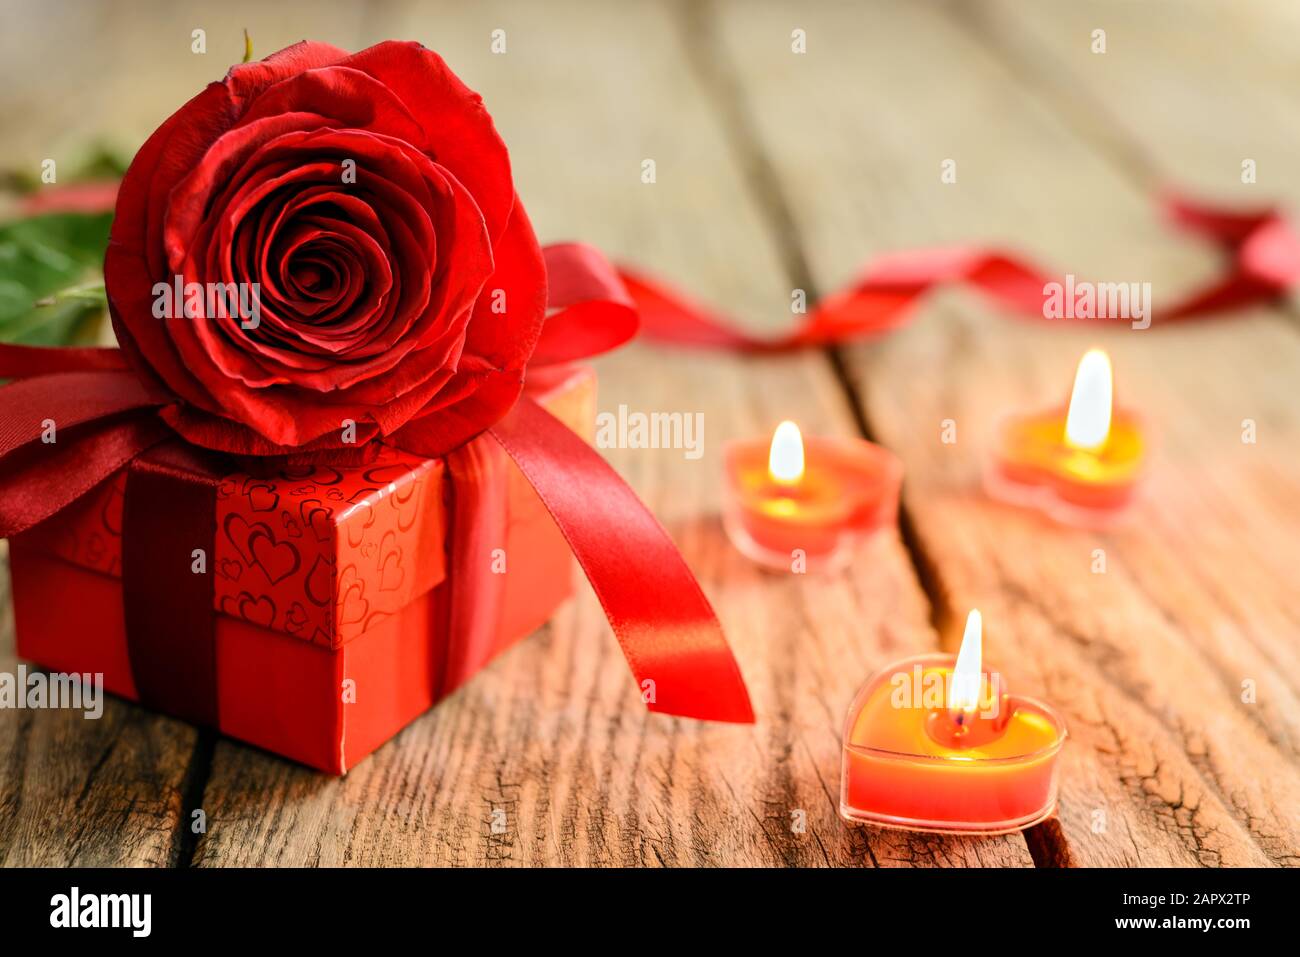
1034 456
900 771
847 490
1079 482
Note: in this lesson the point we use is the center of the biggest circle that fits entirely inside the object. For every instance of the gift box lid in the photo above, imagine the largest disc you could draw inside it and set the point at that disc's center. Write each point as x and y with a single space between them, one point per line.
317 552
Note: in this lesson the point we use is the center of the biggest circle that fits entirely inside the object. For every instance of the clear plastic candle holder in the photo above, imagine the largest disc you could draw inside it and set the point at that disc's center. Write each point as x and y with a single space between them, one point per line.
808 499
1080 463
898 772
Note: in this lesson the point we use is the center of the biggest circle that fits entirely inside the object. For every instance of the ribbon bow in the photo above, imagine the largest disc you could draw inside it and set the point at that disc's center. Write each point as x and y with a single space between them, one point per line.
105 418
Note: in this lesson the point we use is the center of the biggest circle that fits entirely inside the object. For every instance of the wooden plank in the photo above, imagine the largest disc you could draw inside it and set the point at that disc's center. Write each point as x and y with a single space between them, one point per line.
1186 106
74 791
1167 764
116 791
116 78
1149 658
1183 101
1183 93
553 732
1177 102
1162 744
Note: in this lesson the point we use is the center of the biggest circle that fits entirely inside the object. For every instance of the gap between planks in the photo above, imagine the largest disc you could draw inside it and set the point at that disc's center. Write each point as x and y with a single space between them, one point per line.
709 60
788 155
193 785
697 27
1083 108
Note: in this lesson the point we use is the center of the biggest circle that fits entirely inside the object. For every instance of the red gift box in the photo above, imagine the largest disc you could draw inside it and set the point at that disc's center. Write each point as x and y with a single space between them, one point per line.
347 600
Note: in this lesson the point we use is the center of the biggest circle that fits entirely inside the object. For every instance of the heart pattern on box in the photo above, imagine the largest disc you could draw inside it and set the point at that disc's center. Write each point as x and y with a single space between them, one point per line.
316 552
262 496
329 546
256 544
255 609
353 604
320 581
317 518
391 571
295 620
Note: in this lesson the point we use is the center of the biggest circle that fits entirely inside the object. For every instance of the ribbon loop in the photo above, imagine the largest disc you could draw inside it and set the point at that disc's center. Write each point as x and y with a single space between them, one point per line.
63 434
589 310
669 633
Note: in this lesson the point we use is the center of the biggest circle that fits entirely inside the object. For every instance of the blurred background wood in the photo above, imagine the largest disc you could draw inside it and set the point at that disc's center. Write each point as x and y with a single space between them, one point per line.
778 171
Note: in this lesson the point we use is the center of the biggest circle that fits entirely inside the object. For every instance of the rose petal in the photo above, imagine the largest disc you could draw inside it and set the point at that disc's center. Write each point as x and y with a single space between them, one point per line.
459 133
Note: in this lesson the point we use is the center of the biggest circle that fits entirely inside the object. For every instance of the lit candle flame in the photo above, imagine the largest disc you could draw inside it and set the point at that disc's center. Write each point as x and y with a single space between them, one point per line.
1087 424
785 458
964 688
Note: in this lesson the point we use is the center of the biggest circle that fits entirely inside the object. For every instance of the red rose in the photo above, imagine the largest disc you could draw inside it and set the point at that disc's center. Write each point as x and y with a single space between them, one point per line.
370 200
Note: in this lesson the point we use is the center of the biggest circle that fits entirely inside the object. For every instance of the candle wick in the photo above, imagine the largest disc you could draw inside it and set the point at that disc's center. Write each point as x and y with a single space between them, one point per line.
959 720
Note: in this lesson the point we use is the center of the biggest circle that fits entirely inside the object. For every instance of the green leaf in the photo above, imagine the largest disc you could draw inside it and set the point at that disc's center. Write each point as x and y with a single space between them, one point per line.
99 162
57 255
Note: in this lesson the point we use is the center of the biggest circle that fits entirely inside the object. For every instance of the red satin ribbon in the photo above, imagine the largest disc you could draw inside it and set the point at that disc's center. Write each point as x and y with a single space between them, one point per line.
169 511
668 631
471 608
588 309
97 428
1262 249
22 362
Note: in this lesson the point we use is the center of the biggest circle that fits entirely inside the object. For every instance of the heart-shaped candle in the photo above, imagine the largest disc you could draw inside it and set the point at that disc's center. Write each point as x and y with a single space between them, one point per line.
1080 464
936 743
800 504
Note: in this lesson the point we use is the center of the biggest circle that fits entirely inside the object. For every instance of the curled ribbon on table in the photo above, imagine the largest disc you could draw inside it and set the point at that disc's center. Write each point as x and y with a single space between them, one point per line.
1262 250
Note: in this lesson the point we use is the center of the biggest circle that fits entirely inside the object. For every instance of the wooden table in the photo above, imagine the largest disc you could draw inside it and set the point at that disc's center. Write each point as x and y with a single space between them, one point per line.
779 171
